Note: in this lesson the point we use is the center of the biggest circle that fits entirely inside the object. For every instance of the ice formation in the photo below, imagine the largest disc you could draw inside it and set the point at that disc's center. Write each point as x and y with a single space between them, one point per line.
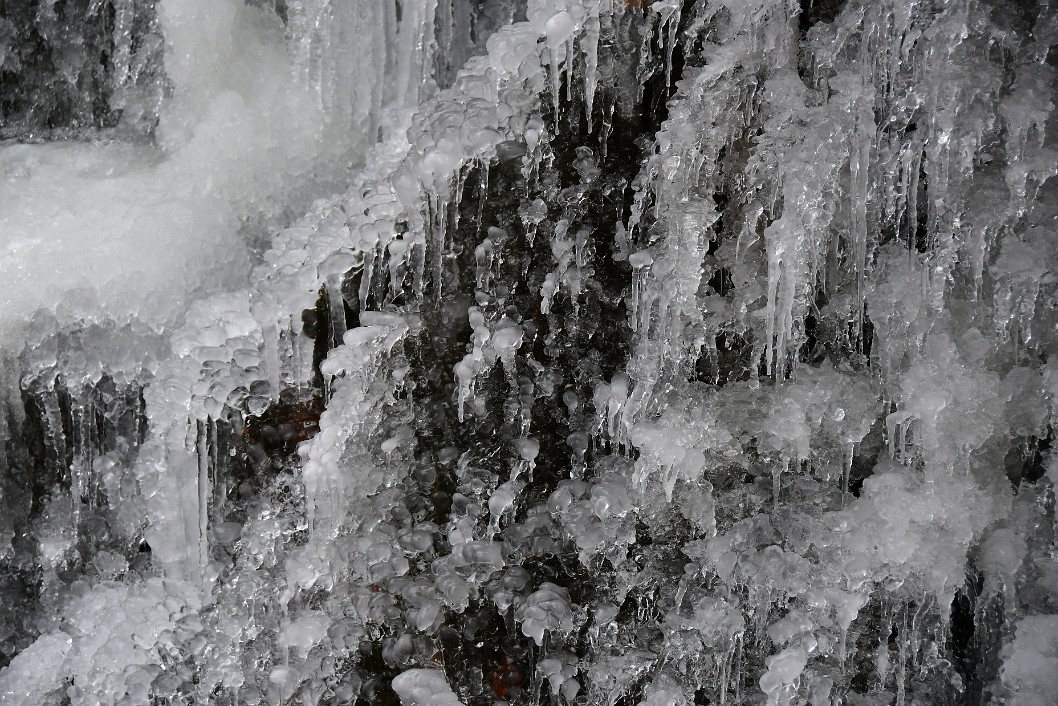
618 352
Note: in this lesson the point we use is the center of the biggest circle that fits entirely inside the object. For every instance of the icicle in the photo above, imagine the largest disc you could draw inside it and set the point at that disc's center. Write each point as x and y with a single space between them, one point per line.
335 316
367 277
76 469
581 262
532 217
465 372
398 265
418 258
589 44
416 46
640 262
483 263
457 199
775 274
8 412
901 665
435 236
670 20
506 341
645 65
846 470
560 28
266 319
859 162
556 78
501 500
568 70
483 189
915 170
446 30
528 449
776 480
205 490
578 443
617 395
607 127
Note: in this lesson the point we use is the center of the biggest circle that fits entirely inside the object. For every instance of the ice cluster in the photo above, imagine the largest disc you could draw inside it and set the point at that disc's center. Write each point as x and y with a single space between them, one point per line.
437 352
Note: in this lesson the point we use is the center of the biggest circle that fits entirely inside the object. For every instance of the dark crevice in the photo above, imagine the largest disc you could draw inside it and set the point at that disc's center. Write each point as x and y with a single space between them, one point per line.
815 11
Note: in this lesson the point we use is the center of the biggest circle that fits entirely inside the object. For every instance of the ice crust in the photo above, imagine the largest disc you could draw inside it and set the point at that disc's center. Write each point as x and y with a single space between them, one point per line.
249 131
424 687
823 499
145 227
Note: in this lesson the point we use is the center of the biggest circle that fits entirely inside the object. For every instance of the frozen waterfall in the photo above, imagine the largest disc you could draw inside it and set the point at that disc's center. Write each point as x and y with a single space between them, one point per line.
528 352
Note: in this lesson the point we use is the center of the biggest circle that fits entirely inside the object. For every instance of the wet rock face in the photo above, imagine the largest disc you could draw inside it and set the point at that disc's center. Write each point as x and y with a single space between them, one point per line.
71 67
675 353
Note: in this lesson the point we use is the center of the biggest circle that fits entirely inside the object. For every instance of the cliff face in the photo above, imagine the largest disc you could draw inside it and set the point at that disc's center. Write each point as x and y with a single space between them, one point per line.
664 353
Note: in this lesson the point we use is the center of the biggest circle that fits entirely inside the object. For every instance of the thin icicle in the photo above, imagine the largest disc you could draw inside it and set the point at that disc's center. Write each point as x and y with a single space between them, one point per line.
589 44
205 490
